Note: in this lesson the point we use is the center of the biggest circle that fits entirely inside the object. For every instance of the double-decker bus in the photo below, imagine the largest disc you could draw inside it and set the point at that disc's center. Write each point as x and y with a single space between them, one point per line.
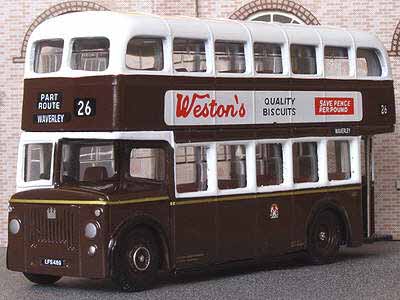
157 144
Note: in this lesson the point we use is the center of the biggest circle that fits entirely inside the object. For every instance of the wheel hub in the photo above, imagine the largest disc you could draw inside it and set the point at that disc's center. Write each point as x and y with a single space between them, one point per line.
322 235
141 258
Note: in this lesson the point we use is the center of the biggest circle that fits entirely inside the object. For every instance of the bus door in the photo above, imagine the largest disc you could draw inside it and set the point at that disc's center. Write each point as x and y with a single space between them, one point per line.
193 215
236 213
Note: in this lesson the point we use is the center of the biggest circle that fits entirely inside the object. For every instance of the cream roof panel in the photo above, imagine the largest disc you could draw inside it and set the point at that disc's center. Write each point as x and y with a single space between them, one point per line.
335 37
228 30
266 32
302 34
180 28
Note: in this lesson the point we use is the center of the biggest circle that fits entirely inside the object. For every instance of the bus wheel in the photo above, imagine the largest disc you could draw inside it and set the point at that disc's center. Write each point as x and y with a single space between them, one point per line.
137 261
324 238
42 279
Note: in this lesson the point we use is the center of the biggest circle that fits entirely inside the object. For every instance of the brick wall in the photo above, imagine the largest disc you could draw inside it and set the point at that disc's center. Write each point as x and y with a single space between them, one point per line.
379 17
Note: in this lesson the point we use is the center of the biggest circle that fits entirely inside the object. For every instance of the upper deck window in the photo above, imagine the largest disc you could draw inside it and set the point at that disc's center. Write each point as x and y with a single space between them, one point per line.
268 58
48 56
189 55
90 54
368 62
303 59
336 61
229 57
145 54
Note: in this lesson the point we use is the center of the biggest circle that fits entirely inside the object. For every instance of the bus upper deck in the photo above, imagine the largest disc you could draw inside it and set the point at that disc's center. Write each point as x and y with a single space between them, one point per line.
186 74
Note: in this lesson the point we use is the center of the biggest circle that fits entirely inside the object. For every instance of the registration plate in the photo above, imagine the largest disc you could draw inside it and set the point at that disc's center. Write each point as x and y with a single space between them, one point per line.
53 262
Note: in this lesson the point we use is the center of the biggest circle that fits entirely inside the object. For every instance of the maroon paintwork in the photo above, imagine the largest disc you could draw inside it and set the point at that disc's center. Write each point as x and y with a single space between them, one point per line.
220 230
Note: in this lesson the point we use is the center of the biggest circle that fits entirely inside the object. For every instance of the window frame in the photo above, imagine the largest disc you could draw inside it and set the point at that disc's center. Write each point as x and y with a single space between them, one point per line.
319 63
71 49
206 54
283 58
350 58
34 55
248 59
164 53
380 59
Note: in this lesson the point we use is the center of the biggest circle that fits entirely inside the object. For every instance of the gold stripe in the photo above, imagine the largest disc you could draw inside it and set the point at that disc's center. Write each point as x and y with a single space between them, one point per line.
266 195
88 202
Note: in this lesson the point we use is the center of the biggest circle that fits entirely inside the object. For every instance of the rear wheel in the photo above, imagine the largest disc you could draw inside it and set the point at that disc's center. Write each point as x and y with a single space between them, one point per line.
42 279
137 261
324 238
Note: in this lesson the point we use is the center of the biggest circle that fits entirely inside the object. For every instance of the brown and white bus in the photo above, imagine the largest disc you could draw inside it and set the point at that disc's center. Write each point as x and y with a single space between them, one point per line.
168 144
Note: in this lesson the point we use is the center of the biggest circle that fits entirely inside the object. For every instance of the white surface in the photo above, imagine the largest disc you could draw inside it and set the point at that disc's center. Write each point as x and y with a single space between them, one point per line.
120 28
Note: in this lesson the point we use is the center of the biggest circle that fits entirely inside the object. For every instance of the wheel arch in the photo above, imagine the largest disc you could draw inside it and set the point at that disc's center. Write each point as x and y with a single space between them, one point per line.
140 221
338 210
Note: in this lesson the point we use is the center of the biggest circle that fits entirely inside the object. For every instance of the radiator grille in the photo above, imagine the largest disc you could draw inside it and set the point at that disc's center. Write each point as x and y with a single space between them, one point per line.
60 231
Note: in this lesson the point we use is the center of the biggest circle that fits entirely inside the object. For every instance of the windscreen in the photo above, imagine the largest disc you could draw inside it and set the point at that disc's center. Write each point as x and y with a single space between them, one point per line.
88 163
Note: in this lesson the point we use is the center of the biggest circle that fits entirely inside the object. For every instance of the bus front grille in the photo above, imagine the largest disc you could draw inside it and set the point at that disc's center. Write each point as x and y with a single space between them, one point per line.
53 226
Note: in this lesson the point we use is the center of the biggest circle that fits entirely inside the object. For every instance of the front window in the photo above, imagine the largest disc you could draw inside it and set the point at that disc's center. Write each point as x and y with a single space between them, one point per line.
90 54
38 161
48 56
88 163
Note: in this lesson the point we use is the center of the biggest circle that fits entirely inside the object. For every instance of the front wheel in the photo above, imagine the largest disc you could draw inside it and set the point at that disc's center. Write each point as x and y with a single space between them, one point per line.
324 238
137 261
42 279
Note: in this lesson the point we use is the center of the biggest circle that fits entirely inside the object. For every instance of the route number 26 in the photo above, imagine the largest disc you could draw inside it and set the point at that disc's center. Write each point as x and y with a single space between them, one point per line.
85 107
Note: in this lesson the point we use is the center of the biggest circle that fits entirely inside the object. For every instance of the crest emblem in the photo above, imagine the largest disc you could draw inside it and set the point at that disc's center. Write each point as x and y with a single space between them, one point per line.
51 213
274 213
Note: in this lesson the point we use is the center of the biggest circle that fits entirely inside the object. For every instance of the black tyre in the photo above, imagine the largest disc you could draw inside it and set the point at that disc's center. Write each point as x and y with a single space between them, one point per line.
42 279
324 238
137 261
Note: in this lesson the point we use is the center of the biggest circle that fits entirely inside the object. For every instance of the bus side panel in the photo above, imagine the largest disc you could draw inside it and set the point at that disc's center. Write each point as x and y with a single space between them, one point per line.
304 205
195 233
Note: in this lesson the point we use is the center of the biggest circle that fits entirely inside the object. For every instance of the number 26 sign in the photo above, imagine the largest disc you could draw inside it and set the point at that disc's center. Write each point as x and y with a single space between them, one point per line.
85 107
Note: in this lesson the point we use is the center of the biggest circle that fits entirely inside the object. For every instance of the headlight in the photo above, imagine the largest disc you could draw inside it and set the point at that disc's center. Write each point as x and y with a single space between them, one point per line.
91 230
15 226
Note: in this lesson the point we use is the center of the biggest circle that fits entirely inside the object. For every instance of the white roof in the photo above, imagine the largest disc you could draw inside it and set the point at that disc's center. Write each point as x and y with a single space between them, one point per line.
119 28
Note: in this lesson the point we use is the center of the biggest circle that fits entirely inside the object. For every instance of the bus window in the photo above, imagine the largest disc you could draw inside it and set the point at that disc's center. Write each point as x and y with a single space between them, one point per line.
268 58
269 164
189 55
90 54
191 169
339 160
303 59
231 166
48 56
145 54
305 162
368 63
94 159
229 57
147 163
336 61
37 161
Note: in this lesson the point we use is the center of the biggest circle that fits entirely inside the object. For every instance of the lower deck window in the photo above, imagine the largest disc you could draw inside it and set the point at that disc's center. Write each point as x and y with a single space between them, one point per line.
191 169
339 160
231 166
305 162
269 164
147 163
38 161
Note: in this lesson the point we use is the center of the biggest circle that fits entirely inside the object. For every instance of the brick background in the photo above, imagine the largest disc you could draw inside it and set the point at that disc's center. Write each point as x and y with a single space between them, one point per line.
379 16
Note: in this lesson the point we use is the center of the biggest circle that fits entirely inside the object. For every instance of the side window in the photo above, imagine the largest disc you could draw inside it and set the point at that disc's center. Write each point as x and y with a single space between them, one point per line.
268 58
269 164
96 156
339 167
191 169
231 166
90 54
37 161
229 57
336 61
303 59
48 56
368 63
189 55
305 162
145 54
147 163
